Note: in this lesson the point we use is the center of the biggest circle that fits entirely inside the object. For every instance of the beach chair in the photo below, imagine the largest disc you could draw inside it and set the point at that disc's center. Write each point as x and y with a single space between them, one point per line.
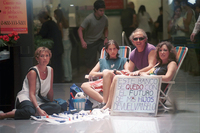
124 51
170 105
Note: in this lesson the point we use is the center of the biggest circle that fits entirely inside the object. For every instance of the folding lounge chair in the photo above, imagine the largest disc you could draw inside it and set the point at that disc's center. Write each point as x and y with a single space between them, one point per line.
124 51
181 53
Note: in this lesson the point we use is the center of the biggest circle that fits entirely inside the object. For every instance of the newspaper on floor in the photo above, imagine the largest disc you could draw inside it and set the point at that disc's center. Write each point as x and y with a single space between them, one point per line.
64 118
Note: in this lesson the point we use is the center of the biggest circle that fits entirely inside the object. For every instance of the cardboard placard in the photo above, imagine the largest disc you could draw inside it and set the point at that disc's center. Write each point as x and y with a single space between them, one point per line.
136 95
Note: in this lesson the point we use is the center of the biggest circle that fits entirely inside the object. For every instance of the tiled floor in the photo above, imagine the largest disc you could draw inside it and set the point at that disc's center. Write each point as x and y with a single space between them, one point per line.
186 91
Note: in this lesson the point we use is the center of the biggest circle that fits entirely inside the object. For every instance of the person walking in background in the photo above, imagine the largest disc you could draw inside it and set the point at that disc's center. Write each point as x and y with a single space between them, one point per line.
176 26
144 21
189 17
49 30
28 101
159 25
63 26
129 19
95 26
191 57
195 30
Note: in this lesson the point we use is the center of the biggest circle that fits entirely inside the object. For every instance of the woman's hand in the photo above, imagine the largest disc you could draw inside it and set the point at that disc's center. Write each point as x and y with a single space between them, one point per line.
192 37
90 77
136 73
41 112
143 74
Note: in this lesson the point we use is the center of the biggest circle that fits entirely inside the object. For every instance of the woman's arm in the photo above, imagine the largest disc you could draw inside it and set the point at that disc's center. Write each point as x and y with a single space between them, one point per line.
95 72
126 65
61 29
50 93
32 86
170 26
171 70
187 21
32 92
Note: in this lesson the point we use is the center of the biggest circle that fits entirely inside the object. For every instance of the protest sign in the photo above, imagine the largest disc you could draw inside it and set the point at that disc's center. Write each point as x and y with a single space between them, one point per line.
136 95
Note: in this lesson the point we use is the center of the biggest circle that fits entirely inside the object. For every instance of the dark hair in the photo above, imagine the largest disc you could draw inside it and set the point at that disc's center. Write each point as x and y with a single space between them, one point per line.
108 44
99 4
44 15
142 9
172 52
176 7
185 2
161 8
61 19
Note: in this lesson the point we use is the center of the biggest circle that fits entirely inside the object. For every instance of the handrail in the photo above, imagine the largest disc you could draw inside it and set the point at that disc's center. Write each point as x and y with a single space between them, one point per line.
124 38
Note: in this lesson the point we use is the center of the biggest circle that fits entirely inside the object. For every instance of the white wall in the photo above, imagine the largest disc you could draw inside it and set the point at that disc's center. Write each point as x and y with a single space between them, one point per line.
114 28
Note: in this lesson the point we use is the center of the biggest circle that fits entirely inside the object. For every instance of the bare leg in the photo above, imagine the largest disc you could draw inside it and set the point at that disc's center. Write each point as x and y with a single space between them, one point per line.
110 98
10 114
91 92
107 80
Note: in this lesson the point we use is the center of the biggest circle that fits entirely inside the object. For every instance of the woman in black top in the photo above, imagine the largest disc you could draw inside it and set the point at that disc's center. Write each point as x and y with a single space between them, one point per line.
49 30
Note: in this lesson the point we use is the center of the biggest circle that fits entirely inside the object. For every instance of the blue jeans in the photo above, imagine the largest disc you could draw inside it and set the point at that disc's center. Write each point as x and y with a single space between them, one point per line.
25 109
66 60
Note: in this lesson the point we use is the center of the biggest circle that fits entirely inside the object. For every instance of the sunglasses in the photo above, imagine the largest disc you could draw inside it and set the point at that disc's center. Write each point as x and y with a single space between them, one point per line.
140 38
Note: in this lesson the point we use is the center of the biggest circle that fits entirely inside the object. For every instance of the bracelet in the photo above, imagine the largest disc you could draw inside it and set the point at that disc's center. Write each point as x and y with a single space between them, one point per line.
106 37
37 107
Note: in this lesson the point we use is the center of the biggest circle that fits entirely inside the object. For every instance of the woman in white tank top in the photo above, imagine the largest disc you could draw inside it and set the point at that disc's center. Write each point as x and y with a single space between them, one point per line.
28 103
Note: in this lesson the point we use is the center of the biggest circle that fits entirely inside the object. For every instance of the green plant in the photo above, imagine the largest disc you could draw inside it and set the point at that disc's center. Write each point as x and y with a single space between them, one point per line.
39 42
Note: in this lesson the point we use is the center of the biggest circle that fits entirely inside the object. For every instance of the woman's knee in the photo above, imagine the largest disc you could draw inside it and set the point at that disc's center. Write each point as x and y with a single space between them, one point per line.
56 107
108 73
51 108
85 85
25 112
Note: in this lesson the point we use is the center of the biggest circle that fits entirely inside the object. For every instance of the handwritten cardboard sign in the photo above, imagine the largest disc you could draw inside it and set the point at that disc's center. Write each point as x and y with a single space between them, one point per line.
136 95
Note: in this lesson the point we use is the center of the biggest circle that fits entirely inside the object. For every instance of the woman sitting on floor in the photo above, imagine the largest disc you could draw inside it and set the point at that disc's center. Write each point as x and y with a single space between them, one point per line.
29 103
102 69
166 67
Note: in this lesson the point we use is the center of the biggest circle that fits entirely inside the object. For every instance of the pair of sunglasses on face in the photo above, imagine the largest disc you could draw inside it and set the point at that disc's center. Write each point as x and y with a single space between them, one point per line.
140 39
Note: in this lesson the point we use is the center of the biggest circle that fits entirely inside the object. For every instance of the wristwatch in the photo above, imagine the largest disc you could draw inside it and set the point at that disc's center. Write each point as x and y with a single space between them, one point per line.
115 71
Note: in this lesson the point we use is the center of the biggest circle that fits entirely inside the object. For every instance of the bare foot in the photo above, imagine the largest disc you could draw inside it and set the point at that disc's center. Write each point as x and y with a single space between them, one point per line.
105 107
2 116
